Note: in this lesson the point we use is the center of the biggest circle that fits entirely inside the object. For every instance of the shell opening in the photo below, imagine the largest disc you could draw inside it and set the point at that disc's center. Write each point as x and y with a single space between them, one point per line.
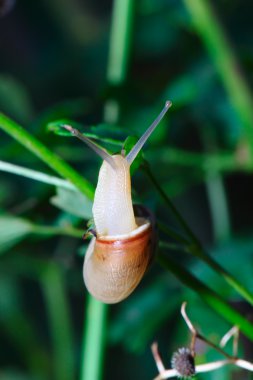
142 224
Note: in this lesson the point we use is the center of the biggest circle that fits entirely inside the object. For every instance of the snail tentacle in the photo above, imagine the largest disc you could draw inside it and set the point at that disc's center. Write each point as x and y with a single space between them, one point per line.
135 150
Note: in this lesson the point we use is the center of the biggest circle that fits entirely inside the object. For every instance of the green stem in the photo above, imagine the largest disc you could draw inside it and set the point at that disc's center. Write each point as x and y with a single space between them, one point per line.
170 205
208 295
201 254
120 41
53 287
218 207
217 162
225 62
93 339
45 155
52 231
195 247
172 246
173 234
35 175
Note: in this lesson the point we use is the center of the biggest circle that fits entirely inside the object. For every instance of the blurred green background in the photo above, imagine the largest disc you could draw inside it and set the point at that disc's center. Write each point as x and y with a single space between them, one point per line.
109 67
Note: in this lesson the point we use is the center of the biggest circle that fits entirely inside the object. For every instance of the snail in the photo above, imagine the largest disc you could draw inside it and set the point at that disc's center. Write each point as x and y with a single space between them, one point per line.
122 248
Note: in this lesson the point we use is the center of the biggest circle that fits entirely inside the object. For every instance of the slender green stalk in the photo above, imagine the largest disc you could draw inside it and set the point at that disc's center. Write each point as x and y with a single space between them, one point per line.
94 339
52 281
218 206
120 41
208 295
201 254
35 175
53 231
172 246
173 234
170 205
221 226
225 62
45 155
195 247
225 162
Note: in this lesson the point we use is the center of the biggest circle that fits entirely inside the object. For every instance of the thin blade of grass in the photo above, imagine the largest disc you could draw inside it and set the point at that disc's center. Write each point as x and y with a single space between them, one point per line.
45 155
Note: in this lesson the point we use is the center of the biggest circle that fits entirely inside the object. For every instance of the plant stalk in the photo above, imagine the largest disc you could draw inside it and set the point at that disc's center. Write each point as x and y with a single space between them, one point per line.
224 59
45 155
194 246
35 175
208 295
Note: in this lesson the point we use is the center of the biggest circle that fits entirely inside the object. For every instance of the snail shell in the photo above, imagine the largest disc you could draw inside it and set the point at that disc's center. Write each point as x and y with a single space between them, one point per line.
114 265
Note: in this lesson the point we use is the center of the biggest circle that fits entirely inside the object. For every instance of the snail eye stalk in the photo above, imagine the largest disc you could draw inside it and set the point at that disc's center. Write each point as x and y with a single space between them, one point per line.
133 153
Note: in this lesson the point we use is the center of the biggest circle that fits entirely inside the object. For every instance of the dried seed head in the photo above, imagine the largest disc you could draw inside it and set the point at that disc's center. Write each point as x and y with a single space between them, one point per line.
183 362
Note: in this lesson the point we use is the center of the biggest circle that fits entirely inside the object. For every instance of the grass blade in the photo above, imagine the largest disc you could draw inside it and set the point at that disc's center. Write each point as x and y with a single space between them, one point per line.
45 155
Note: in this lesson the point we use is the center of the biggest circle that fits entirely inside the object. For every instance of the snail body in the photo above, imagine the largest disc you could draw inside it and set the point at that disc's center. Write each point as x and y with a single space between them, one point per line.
112 208
122 248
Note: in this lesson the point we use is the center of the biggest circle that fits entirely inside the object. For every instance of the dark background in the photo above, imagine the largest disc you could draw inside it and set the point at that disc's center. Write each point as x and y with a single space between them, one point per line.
53 64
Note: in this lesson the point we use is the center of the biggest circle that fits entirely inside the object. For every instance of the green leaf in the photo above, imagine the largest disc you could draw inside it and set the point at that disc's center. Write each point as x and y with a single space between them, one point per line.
110 131
46 155
56 126
73 202
99 132
12 230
